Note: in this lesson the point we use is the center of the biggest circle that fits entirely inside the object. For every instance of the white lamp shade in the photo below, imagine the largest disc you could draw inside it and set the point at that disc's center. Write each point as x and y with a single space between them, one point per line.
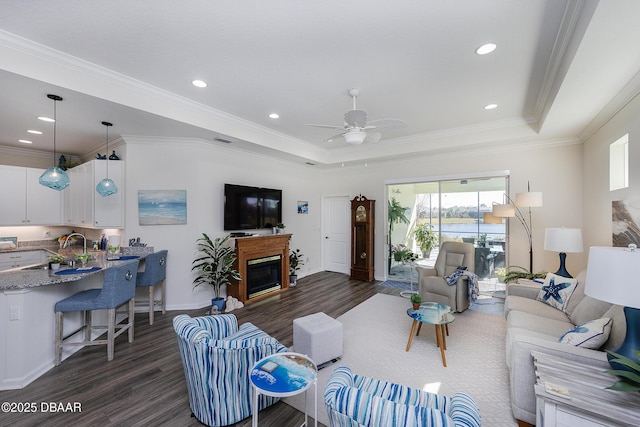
530 199
611 275
489 218
504 211
563 240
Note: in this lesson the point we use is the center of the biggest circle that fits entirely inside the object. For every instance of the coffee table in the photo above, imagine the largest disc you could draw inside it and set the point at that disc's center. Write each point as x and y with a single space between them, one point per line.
437 314
282 375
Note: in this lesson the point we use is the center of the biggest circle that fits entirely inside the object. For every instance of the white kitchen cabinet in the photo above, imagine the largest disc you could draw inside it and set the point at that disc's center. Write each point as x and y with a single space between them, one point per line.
25 201
84 206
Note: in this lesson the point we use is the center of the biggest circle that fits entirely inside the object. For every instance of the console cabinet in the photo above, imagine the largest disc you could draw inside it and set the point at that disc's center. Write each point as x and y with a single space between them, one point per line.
83 206
25 201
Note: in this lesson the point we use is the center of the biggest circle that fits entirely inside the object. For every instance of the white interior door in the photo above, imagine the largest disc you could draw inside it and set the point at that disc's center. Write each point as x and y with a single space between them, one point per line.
336 233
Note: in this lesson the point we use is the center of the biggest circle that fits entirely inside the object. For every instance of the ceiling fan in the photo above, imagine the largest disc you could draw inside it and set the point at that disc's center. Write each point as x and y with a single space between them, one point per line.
356 129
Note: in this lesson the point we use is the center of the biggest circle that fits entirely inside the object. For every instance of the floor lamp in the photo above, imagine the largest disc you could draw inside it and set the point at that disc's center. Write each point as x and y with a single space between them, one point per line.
529 199
563 240
612 276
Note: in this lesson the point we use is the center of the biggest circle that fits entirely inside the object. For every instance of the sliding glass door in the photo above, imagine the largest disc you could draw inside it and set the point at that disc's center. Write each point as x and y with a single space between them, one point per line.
453 210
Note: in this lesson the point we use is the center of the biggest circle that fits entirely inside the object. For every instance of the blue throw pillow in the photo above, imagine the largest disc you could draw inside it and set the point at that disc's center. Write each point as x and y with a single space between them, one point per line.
557 290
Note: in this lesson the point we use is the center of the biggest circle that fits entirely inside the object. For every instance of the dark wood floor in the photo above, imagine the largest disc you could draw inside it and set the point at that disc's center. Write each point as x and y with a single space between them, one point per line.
144 385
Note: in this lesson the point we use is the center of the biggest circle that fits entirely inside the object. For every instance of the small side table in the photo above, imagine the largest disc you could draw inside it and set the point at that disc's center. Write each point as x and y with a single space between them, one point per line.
569 393
437 314
283 375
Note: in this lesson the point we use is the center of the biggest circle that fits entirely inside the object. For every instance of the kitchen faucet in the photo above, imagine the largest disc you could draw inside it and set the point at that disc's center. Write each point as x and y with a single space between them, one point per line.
66 242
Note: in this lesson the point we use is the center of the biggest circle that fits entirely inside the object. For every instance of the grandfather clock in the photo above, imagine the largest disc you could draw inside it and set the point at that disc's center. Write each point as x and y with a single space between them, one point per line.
362 226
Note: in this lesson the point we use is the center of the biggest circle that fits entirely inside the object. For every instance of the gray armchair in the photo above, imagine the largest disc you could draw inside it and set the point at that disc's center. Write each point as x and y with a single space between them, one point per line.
433 286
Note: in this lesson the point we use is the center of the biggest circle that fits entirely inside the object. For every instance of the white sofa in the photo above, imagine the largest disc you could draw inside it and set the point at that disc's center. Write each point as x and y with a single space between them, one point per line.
534 325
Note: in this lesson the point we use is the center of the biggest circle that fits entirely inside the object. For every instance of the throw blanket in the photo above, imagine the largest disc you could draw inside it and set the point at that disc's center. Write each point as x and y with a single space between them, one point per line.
474 290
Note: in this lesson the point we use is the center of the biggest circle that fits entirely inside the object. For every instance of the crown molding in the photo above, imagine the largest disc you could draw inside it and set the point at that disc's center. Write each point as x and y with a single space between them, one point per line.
575 20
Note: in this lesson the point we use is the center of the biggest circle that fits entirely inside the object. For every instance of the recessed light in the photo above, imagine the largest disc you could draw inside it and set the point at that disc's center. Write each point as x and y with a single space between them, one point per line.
35 132
46 119
25 141
274 116
199 83
486 48
490 106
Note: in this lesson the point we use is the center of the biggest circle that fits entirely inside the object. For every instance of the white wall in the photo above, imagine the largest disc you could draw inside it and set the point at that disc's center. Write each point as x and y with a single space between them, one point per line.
202 169
598 198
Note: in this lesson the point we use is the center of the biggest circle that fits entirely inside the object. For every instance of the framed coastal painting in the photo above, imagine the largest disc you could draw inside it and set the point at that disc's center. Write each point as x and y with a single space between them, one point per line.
162 207
303 207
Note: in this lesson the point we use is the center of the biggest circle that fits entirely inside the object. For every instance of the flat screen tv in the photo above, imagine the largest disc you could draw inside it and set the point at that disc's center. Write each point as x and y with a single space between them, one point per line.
250 208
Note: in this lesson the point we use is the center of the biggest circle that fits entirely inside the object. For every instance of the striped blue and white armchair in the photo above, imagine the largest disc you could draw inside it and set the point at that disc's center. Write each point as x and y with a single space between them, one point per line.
217 356
356 400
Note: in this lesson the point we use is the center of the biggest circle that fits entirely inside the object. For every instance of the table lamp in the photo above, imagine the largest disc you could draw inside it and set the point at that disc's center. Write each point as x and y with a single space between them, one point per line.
563 240
611 277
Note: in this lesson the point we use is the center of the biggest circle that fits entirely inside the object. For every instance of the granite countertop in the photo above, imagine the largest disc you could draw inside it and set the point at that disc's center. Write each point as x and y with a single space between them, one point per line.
22 279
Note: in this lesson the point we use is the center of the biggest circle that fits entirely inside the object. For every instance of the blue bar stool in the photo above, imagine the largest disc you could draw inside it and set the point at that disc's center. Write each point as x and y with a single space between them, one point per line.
155 272
119 288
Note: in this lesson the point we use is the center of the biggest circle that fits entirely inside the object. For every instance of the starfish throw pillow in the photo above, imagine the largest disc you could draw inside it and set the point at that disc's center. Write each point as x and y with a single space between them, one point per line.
557 290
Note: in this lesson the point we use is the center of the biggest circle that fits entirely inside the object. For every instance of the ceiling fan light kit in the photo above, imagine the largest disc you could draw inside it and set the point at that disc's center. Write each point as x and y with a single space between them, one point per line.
354 137
355 128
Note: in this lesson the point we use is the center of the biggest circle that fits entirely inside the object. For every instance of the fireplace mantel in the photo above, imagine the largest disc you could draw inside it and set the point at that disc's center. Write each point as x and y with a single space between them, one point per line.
248 248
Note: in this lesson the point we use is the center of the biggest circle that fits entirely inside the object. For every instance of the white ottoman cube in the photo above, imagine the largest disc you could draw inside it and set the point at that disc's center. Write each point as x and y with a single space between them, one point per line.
318 336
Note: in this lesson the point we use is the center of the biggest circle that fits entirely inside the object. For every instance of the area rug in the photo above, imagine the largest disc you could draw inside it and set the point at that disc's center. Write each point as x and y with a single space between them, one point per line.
398 285
375 338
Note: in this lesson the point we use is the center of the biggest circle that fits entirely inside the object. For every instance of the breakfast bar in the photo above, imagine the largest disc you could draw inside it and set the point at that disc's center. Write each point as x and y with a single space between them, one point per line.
27 299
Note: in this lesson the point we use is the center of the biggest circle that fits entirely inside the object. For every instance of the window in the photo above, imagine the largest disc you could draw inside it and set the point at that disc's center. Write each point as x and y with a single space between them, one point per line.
619 164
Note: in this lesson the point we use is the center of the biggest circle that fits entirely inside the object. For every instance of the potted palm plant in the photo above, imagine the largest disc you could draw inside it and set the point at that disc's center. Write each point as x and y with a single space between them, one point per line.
214 264
426 238
295 261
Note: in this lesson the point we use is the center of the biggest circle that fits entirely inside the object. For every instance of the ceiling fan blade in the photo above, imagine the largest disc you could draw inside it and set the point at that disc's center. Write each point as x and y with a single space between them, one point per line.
386 123
373 137
334 137
356 118
325 126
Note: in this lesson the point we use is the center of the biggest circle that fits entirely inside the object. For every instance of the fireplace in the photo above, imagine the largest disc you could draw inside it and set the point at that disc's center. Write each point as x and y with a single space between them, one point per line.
263 261
264 275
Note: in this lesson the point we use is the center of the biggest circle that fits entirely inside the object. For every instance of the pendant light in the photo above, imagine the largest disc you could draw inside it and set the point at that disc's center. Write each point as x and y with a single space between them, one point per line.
54 177
107 187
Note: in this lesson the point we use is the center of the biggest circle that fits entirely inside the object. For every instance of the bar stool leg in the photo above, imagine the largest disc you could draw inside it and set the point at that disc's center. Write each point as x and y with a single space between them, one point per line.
131 318
163 295
152 303
86 324
58 349
111 325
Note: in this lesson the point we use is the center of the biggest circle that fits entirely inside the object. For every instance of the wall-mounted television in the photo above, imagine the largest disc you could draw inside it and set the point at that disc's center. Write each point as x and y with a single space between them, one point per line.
250 208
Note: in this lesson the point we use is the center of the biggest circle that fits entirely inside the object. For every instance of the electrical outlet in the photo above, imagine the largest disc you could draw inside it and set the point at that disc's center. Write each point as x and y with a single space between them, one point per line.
46 234
14 312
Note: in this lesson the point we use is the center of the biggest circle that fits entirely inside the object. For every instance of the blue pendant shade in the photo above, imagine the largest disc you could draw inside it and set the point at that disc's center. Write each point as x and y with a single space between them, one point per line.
107 187
54 177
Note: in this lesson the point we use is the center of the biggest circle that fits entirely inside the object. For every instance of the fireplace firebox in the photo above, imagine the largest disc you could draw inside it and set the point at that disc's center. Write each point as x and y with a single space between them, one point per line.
264 275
